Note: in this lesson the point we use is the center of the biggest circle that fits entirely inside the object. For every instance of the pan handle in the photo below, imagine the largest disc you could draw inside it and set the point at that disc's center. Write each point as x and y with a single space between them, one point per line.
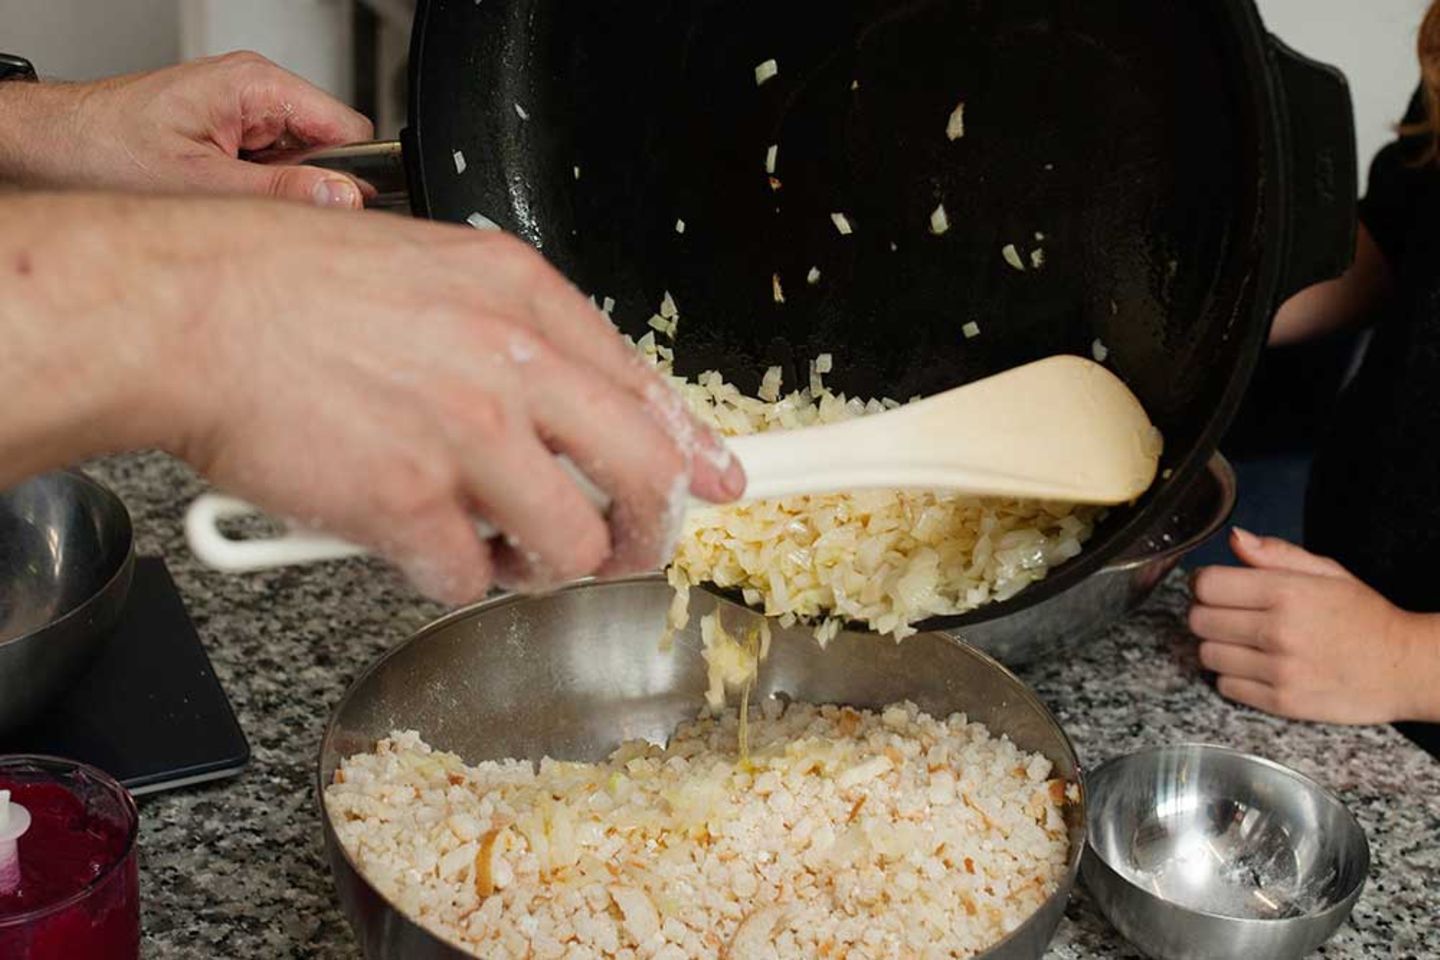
379 168
1322 168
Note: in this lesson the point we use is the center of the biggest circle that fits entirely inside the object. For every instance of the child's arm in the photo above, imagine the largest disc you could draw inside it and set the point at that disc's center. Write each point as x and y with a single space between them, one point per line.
1349 302
1297 635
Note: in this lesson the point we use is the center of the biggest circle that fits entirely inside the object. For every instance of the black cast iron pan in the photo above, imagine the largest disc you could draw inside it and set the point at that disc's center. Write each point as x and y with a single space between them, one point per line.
1181 170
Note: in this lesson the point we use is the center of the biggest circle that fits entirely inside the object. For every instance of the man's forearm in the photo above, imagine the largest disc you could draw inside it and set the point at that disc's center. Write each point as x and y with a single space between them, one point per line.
35 120
82 362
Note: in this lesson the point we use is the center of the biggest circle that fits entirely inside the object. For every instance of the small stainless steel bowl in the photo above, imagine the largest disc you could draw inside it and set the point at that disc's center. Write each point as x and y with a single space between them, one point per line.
1200 852
572 674
66 558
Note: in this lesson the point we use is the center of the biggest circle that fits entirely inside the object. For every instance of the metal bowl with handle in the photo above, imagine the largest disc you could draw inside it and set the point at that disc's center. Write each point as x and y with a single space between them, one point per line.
573 674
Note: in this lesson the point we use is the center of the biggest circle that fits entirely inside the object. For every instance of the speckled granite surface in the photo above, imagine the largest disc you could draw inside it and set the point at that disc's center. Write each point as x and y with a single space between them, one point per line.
237 870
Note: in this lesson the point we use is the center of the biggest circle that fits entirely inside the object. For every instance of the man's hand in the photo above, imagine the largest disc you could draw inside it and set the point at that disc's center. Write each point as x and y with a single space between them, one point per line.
1297 635
178 130
385 379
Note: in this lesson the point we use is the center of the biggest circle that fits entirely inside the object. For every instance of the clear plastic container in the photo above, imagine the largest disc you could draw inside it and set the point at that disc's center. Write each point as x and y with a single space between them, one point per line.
78 893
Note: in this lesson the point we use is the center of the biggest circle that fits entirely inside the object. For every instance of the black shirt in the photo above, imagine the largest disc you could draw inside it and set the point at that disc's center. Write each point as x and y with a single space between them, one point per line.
1374 498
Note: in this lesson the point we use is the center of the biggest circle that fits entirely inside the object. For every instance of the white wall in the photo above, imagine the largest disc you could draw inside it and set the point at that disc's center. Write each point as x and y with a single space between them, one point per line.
1373 41
311 37
85 39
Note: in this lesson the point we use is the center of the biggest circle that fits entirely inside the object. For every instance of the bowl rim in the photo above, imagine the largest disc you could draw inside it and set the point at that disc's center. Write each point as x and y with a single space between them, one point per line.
1221 471
120 571
1343 904
1079 809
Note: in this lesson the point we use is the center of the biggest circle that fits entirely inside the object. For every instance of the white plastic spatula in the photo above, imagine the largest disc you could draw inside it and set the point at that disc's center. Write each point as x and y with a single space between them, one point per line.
1064 429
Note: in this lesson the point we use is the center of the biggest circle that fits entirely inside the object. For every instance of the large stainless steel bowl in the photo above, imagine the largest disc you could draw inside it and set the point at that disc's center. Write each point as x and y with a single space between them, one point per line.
573 674
1204 853
66 558
1104 598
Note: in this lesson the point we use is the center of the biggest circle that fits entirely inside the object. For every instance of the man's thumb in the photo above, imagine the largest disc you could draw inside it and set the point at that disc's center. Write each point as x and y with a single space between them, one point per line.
320 188
300 184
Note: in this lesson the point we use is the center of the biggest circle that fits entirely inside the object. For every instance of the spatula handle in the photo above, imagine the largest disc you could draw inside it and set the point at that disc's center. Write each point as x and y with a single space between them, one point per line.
293 548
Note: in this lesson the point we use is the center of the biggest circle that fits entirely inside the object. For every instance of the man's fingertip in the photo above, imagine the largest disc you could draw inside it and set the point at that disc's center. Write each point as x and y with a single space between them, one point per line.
733 481
441 585
336 192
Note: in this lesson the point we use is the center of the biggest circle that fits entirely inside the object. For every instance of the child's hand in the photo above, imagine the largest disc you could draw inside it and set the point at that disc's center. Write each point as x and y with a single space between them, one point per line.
1298 635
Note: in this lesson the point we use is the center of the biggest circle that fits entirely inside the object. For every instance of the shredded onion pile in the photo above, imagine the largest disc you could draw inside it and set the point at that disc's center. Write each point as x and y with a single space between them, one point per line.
884 558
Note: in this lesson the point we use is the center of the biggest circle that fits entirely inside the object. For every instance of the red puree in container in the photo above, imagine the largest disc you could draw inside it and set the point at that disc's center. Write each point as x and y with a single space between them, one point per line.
79 891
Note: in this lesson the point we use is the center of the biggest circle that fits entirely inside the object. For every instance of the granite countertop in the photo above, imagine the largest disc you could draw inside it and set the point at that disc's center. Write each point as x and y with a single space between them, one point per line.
238 869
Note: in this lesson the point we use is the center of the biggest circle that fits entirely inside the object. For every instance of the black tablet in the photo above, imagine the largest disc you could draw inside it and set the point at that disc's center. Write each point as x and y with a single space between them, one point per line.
150 711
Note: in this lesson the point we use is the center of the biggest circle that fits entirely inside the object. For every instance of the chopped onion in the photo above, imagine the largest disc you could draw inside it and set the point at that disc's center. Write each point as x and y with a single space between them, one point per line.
459 161
766 71
824 363
971 330
771 156
608 306
813 277
668 309
1037 258
481 222
955 127
521 113
577 173
776 289
883 557
1012 257
770 385
1099 351
842 223
939 221
679 226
